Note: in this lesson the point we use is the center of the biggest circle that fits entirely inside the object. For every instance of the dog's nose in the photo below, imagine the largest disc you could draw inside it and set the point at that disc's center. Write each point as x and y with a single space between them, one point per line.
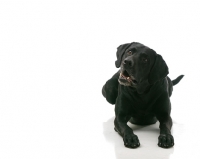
128 63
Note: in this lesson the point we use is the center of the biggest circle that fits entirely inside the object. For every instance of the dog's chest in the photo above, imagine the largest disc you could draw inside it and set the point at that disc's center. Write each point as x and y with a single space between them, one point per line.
142 104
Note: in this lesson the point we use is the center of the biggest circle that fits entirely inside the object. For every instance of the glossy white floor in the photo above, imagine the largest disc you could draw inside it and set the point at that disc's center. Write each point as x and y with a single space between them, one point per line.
56 55
184 120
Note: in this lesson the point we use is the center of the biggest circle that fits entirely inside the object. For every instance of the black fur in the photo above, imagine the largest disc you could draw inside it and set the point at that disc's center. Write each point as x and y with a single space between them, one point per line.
145 101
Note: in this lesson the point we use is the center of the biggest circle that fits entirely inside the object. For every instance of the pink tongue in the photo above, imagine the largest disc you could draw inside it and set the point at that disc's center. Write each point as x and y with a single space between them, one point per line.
127 78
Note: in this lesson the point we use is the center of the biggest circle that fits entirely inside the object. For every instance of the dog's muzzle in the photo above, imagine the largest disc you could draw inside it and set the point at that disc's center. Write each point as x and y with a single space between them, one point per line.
126 79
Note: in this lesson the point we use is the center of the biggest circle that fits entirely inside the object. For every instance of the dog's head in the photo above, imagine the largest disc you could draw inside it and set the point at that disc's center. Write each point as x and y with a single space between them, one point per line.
140 66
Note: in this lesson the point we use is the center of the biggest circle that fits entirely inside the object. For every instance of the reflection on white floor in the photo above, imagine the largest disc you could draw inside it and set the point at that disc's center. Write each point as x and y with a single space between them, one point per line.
148 136
186 142
185 130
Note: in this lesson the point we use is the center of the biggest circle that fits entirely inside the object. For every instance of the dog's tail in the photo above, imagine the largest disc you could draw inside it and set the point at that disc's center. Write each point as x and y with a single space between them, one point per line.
176 81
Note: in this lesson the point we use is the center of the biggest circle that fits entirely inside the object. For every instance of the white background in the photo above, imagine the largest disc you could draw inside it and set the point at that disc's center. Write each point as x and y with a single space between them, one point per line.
55 56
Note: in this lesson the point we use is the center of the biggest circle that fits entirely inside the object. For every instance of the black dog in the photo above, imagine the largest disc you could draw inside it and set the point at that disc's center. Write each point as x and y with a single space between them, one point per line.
140 91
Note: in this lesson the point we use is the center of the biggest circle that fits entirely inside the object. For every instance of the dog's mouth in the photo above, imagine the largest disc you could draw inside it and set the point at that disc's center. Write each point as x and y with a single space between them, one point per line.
126 79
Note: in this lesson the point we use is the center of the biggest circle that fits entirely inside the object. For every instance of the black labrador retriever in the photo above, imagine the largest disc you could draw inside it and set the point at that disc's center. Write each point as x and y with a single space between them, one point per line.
141 93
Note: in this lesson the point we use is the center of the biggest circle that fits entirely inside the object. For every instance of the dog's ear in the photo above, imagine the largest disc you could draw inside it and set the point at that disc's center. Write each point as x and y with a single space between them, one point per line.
120 52
159 70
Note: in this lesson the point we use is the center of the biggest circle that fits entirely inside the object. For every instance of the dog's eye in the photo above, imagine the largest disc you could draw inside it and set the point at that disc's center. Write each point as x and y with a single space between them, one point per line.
144 60
129 53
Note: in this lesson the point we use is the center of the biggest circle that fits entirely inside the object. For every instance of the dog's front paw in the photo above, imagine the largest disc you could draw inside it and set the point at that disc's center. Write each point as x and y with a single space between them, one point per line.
131 141
165 141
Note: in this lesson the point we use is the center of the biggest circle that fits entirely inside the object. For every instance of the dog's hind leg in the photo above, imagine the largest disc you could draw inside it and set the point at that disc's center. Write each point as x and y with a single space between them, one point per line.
110 89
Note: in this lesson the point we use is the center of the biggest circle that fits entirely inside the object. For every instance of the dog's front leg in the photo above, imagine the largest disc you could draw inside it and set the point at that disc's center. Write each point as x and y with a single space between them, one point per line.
122 113
165 140
130 140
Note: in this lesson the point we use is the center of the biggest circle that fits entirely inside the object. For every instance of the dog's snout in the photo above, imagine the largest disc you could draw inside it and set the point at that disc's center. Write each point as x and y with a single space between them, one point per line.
128 63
